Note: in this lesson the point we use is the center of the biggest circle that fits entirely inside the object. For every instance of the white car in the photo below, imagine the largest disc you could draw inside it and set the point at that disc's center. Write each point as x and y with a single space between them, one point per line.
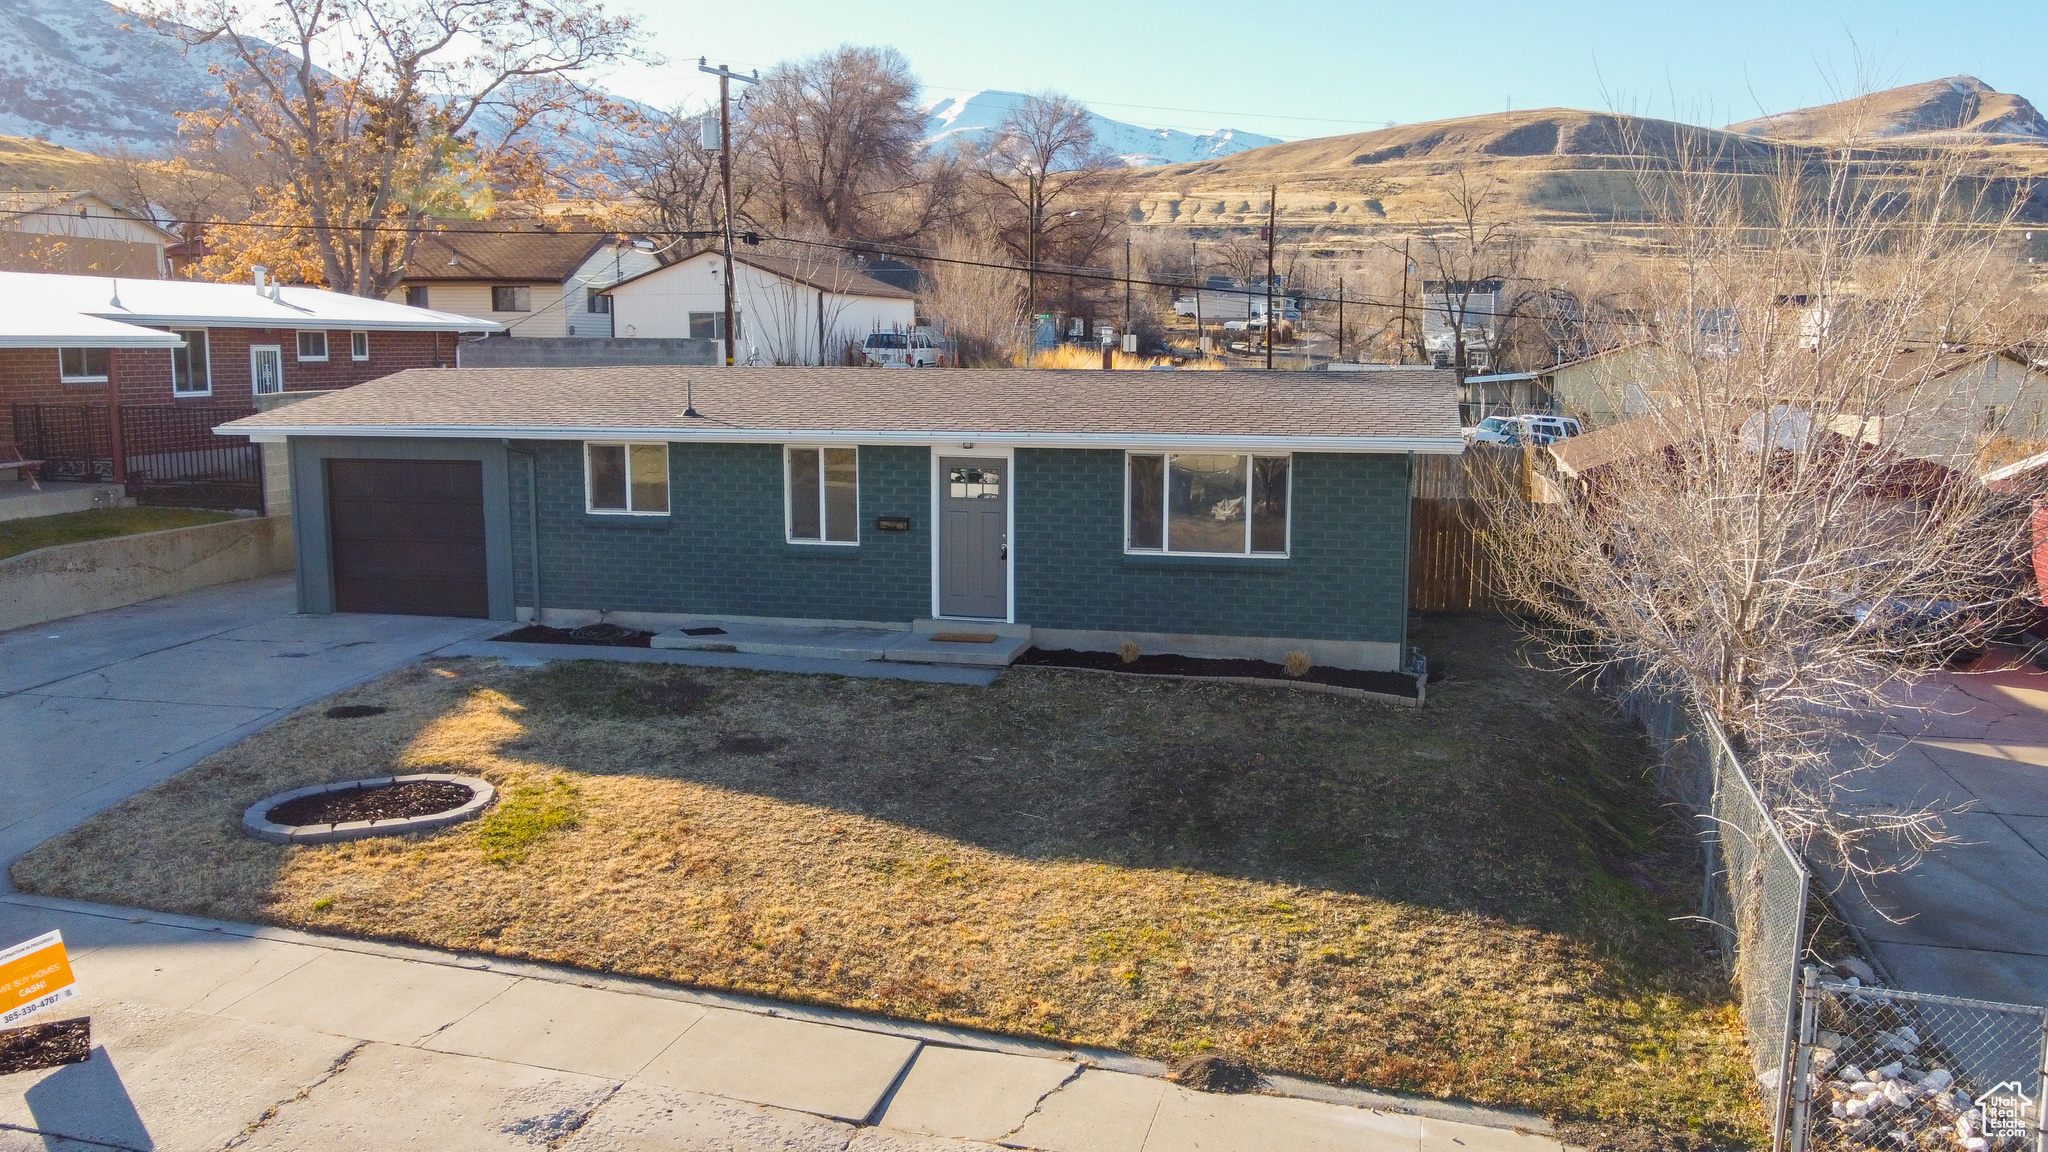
1538 430
900 350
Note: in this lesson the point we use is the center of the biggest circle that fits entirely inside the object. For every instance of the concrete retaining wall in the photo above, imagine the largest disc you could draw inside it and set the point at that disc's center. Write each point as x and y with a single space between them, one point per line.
72 579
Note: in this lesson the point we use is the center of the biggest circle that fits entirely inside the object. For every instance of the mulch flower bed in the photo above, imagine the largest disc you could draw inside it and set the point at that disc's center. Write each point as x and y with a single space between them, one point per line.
608 635
46 1045
390 802
1387 683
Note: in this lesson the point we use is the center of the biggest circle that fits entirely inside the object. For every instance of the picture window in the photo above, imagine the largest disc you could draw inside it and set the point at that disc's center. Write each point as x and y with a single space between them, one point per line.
1205 504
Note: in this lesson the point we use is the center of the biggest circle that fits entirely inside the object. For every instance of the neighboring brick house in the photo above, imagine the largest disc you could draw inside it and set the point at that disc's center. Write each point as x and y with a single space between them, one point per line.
536 278
238 340
1201 513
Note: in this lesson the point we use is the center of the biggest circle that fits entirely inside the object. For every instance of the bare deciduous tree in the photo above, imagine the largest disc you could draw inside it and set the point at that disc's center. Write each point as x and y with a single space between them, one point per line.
1789 533
671 178
369 116
836 142
1054 195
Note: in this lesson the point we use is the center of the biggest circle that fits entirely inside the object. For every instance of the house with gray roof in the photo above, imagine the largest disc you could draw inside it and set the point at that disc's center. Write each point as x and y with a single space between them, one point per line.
1243 514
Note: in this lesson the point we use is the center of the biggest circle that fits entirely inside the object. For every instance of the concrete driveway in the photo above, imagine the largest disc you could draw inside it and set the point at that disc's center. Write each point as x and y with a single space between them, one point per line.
1971 919
96 708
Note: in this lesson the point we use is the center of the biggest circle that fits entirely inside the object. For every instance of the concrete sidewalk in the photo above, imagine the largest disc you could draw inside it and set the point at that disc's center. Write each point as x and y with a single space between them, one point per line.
1972 918
209 1036
96 708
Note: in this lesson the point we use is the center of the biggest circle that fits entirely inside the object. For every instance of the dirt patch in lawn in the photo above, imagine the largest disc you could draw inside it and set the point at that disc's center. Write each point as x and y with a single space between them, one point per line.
390 802
1479 899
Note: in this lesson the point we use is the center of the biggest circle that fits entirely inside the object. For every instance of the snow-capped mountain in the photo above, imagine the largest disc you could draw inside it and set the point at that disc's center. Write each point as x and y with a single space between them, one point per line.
964 121
85 74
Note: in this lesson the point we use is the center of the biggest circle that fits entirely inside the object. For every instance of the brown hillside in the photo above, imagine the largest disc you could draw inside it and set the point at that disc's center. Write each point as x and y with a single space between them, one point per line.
1960 104
26 163
1554 167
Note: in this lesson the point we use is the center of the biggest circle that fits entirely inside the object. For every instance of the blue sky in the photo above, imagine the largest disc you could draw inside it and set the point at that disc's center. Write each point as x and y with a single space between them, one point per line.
1303 68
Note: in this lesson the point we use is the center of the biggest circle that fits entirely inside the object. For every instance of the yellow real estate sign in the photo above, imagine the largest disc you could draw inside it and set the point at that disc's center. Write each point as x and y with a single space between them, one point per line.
34 975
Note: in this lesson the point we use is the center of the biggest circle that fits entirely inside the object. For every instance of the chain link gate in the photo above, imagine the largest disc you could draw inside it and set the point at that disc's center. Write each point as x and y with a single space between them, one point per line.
1884 1069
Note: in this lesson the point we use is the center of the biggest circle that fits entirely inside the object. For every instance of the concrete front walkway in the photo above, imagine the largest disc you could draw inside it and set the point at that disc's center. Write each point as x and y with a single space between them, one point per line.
96 708
1972 918
210 1036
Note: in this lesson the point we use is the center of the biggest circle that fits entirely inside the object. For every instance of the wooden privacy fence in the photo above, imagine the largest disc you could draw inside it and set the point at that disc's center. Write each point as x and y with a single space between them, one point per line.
1448 566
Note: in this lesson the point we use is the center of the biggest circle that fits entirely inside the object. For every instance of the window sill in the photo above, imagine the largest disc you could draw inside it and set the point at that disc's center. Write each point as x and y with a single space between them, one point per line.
81 380
629 519
1205 563
823 551
206 395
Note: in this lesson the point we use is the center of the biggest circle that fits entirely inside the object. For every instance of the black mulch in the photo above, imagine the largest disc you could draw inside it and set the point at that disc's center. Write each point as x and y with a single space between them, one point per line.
388 802
353 711
1387 683
46 1045
609 635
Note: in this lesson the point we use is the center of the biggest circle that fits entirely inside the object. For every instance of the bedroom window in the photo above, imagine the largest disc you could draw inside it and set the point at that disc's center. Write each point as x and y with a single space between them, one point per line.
625 479
312 347
81 365
823 495
1203 504
511 298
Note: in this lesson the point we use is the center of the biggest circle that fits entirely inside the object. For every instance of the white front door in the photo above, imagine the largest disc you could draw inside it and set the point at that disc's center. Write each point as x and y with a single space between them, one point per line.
266 369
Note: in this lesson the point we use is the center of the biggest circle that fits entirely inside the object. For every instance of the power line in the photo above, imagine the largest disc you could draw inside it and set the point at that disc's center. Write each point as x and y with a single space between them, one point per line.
1072 272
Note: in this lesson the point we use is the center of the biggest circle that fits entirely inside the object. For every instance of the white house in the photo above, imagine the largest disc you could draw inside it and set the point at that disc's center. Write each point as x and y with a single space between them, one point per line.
536 278
787 311
81 234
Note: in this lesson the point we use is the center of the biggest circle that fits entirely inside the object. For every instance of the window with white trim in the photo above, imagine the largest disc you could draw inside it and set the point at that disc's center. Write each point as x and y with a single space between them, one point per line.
511 298
1206 504
82 365
625 479
191 370
822 487
312 347
359 345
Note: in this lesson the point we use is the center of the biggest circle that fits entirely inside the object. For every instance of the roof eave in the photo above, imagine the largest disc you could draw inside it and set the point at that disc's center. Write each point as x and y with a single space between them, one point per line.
1450 445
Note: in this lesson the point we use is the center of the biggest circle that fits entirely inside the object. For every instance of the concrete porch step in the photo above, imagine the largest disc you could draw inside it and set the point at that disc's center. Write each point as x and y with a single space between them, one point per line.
927 648
968 643
818 642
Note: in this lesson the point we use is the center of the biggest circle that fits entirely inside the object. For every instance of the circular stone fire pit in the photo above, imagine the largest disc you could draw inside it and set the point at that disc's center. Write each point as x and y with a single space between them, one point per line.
354 809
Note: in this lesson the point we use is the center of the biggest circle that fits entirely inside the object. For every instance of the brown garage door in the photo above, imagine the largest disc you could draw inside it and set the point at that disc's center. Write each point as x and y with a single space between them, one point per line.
408 536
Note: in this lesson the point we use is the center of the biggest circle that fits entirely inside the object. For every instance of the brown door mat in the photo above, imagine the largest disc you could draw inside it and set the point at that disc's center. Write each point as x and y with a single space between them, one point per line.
964 637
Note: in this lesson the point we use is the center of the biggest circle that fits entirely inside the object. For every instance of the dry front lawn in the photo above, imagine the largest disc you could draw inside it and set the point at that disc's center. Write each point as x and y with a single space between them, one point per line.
1473 900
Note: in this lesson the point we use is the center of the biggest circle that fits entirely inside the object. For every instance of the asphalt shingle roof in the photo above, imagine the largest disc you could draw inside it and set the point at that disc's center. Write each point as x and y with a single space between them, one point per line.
501 252
1383 411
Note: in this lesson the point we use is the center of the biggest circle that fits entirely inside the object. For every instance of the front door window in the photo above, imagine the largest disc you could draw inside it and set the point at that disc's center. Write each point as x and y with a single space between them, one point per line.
266 369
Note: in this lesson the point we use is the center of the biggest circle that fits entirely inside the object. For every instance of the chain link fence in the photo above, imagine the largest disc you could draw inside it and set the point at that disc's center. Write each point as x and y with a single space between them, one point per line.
1754 895
1870 1069
1884 1069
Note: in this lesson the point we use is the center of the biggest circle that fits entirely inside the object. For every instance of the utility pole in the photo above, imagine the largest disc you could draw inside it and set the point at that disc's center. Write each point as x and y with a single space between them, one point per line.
1127 283
725 78
1201 333
1405 266
1272 236
1031 257
1340 317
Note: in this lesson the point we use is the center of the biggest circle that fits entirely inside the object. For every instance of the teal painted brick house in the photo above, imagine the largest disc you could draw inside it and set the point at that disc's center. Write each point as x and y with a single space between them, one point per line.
1204 513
